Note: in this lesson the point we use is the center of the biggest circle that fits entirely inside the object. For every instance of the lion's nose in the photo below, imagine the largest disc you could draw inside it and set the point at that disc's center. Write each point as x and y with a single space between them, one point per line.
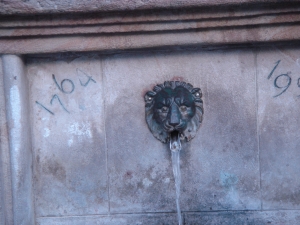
175 115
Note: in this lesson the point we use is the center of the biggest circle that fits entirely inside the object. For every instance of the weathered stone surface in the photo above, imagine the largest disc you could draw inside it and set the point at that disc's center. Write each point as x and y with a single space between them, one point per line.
2 213
4 156
205 218
279 123
68 136
123 23
139 165
115 21
229 22
202 39
130 219
58 6
243 217
2 135
219 167
2 218
19 138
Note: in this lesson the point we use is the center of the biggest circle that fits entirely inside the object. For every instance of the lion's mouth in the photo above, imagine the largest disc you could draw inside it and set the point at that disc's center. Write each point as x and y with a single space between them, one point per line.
171 128
175 144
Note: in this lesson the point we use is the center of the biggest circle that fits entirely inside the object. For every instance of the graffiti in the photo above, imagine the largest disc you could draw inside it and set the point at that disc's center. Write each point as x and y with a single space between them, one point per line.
282 81
79 72
277 63
61 86
44 107
58 99
288 80
66 86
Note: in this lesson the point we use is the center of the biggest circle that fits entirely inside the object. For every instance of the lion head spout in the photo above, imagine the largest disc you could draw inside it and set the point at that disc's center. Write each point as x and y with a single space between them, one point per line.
174 106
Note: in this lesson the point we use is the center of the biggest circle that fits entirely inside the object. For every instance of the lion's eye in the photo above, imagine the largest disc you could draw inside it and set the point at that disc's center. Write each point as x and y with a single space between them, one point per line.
183 108
164 109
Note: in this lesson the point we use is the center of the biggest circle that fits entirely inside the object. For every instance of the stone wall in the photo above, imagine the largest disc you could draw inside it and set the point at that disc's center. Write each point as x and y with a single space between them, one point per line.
75 146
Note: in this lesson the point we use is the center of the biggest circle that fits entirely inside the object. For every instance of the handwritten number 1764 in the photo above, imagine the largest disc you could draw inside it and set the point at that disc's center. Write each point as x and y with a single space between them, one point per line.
63 89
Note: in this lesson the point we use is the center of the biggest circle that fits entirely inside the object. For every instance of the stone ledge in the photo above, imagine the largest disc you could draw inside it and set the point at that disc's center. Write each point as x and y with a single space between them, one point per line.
104 43
10 7
239 22
184 22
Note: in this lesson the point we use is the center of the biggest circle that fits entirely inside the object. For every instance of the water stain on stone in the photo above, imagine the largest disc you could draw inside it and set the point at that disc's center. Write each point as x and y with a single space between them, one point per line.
287 196
228 180
55 169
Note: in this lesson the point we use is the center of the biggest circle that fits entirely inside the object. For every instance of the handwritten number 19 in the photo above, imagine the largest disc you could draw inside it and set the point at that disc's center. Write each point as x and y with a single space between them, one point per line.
279 80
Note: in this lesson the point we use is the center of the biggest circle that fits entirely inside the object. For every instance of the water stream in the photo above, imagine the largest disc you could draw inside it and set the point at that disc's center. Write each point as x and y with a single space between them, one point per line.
175 147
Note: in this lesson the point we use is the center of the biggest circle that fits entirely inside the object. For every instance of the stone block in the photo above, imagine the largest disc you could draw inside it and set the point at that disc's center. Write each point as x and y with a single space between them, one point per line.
68 134
220 168
278 117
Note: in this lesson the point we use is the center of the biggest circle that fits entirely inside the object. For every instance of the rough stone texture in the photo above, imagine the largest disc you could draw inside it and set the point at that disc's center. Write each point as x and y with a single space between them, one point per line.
236 23
79 179
130 219
286 217
2 208
244 218
104 43
69 143
220 168
58 6
241 168
2 122
279 127
139 166
150 22
114 22
5 157
19 136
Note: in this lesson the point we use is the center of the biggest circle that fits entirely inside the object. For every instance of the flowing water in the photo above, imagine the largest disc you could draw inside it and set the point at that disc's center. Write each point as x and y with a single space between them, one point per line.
175 147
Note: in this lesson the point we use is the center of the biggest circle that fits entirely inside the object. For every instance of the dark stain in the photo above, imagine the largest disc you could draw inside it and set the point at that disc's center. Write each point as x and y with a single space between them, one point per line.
128 175
226 218
55 169
15 77
287 196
